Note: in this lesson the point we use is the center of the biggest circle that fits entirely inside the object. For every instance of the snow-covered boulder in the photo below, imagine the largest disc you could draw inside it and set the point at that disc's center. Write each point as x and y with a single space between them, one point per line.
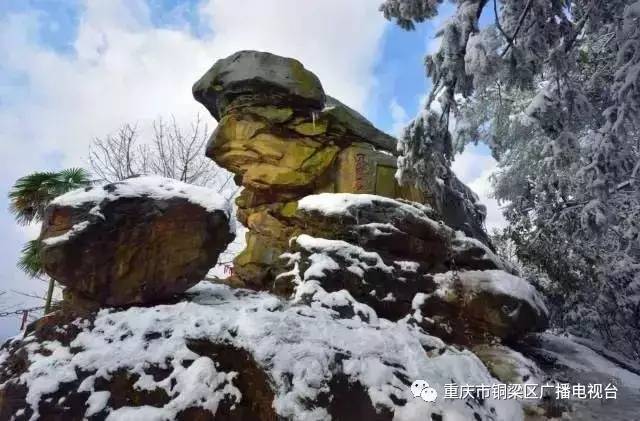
136 241
382 251
236 355
473 304
397 228
262 78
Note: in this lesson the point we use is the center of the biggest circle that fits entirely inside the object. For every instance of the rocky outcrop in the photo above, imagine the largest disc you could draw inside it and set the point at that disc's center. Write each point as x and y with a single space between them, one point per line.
355 291
136 241
284 139
395 258
319 186
236 355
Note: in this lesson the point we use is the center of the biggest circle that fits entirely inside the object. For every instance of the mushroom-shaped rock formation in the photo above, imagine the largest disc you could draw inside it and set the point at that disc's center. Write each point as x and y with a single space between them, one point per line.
284 139
139 240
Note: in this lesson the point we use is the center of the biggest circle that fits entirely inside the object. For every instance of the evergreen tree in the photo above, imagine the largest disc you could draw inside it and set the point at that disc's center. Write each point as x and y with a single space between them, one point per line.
553 87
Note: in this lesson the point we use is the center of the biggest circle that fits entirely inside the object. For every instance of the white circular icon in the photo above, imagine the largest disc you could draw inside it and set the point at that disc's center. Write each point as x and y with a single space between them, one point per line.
418 386
421 388
429 394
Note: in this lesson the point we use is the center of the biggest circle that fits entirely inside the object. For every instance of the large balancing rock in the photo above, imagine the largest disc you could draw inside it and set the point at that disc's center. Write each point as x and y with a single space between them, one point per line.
258 78
137 241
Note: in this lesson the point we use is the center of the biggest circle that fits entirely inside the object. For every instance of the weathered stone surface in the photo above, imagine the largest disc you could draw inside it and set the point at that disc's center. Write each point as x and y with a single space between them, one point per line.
70 402
489 303
358 125
283 139
127 250
245 74
398 228
393 257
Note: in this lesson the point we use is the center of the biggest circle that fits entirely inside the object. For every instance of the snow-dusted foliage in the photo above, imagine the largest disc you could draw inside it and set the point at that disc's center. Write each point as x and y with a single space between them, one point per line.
553 87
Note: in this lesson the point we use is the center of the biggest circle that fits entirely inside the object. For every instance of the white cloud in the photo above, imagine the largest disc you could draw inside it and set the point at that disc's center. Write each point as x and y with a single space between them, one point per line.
474 167
123 69
399 117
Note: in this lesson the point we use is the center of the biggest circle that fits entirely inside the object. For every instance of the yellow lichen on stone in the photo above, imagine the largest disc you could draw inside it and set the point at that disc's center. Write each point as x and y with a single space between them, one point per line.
262 176
310 128
307 84
271 113
231 127
284 152
386 184
264 223
320 161
257 251
237 160
362 169
289 209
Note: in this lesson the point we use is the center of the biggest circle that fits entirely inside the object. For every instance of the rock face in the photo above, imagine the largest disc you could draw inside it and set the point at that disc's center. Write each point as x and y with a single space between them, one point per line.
137 241
395 258
284 139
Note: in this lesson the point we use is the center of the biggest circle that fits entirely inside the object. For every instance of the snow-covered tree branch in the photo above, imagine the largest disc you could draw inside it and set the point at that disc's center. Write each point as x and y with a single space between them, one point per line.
553 87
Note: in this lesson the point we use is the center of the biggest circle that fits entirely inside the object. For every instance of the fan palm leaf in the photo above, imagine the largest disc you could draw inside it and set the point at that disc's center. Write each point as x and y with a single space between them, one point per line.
31 194
29 260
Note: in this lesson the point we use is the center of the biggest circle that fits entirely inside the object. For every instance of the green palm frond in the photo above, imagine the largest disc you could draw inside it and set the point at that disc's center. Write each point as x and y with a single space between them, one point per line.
31 194
72 178
29 261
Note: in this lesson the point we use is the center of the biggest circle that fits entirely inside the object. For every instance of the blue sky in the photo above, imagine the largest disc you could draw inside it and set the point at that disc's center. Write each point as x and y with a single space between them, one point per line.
72 70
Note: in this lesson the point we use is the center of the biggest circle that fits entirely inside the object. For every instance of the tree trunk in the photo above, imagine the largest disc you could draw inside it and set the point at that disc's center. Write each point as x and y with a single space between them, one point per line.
47 303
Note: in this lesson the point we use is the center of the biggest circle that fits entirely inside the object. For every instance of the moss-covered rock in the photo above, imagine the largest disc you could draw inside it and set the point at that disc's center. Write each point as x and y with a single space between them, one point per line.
279 79
271 113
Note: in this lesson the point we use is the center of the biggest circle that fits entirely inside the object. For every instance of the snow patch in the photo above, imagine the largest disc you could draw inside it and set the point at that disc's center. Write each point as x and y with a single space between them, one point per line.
152 186
358 258
75 229
495 282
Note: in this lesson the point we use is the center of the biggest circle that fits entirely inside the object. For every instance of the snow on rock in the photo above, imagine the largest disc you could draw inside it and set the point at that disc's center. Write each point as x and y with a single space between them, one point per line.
323 270
75 229
302 349
494 282
139 240
152 186
408 229
358 259
336 204
482 302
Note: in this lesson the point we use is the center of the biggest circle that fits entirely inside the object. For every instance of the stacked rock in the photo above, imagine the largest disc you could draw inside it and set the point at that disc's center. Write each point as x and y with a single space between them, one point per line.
285 139
137 241
398 259
325 213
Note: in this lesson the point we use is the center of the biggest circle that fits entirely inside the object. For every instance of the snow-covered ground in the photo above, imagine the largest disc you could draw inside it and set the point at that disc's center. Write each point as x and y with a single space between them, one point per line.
297 345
